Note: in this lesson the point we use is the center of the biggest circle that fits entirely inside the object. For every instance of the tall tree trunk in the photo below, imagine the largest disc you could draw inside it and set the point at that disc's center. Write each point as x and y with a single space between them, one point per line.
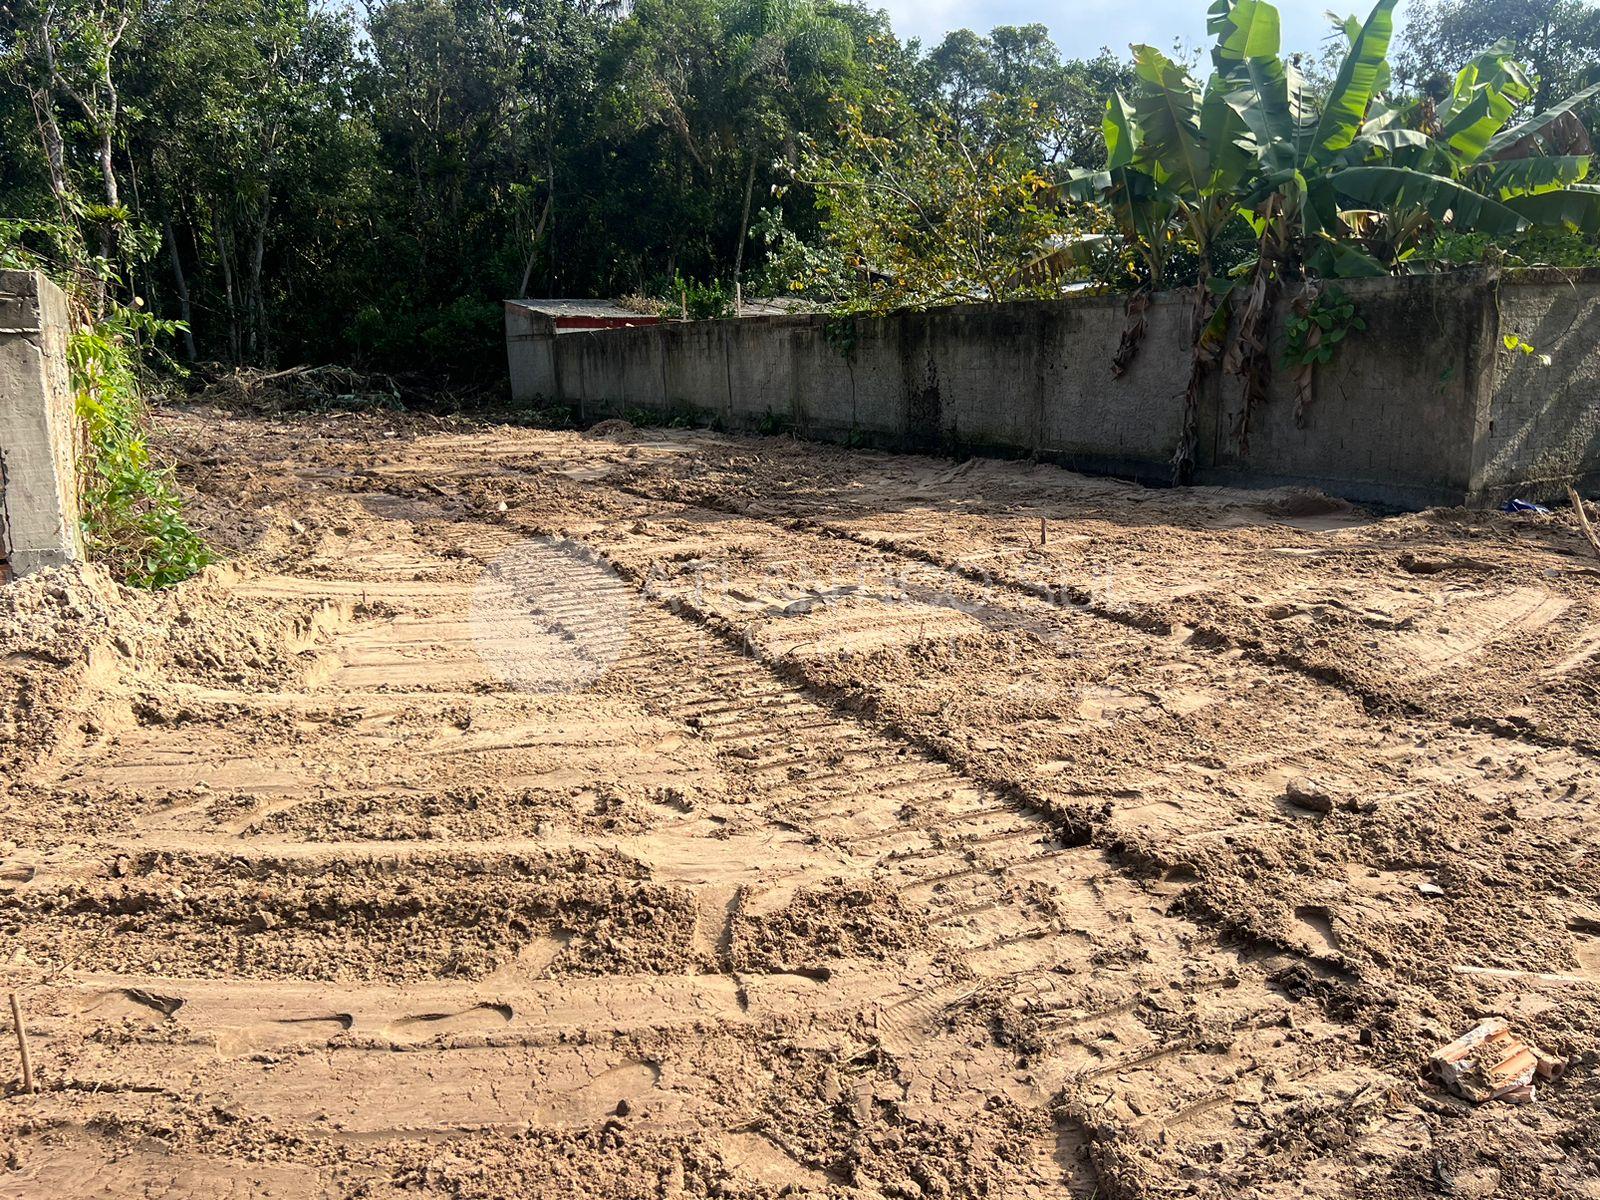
108 170
44 111
259 333
181 285
224 254
744 232
533 251
550 173
108 167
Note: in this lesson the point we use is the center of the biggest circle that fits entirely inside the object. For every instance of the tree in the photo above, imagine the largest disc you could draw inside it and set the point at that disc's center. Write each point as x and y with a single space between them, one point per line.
734 80
1559 40
67 55
917 214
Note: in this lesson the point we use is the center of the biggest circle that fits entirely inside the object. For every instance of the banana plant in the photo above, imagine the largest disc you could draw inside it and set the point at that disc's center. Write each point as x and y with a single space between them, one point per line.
1346 185
1142 207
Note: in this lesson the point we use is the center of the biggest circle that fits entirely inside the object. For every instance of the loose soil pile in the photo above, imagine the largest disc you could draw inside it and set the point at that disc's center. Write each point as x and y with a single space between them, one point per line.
666 814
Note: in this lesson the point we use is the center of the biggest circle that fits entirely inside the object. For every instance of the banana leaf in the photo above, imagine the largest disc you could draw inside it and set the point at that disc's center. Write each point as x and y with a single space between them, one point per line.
1530 176
1341 260
1121 133
1469 130
1390 140
1354 86
1167 109
1397 187
1507 142
1244 29
1576 208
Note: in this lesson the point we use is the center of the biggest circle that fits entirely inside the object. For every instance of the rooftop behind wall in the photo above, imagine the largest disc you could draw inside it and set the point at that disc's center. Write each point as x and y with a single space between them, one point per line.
38 495
1425 407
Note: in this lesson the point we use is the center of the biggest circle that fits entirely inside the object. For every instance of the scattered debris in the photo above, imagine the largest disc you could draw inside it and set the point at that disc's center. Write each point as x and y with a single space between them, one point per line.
614 428
1431 564
1491 1063
1524 506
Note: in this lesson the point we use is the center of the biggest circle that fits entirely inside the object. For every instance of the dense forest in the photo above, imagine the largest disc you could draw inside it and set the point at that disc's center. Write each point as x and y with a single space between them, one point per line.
299 181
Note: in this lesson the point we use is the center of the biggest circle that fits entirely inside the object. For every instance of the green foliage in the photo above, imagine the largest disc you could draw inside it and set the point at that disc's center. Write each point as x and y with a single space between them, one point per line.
131 509
1558 39
1313 336
451 341
300 181
774 424
699 301
1536 247
919 209
1345 183
842 334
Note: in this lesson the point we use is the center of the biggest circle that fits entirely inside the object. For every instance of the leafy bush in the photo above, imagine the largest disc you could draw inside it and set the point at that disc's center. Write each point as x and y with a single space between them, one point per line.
465 338
129 507
131 511
701 301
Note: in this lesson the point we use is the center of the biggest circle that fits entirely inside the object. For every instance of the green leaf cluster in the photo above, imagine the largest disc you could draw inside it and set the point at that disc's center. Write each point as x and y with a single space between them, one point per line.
1342 181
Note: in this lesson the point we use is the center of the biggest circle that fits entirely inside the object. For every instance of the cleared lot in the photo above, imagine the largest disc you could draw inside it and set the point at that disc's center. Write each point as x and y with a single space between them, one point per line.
663 813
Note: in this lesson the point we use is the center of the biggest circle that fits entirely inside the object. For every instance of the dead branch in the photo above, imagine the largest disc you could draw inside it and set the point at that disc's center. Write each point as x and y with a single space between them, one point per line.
1583 519
22 1047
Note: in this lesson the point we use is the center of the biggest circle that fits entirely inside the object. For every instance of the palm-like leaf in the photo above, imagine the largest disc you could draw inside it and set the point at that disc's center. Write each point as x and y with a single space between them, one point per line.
1168 112
1530 176
1508 142
1355 85
1263 96
1576 208
1121 132
1391 140
1443 199
1472 126
1243 29
1229 143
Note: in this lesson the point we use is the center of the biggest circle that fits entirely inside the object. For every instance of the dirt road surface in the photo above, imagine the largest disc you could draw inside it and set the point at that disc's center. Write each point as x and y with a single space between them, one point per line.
669 814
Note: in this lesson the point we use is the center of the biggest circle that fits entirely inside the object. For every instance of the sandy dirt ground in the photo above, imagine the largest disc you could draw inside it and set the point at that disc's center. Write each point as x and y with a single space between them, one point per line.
670 814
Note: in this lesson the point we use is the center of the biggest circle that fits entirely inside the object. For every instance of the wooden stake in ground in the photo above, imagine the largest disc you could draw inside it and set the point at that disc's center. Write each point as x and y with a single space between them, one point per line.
1041 531
22 1046
1583 519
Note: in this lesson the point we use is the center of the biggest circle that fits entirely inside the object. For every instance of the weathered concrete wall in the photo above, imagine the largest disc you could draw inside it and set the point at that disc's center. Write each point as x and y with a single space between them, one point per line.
38 437
1541 426
1393 419
529 338
1424 407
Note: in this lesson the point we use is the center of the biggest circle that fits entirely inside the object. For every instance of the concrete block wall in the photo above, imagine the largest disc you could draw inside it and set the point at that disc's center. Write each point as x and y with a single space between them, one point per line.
38 430
1424 407
1541 425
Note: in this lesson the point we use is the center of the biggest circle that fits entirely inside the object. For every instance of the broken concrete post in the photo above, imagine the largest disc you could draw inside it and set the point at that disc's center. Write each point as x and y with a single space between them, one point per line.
38 429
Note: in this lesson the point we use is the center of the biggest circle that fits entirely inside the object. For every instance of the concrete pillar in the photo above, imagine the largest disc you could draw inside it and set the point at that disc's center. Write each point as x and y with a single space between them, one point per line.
38 429
531 354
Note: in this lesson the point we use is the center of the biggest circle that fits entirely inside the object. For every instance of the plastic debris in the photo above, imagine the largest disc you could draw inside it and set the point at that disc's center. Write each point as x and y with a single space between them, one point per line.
1491 1063
1524 506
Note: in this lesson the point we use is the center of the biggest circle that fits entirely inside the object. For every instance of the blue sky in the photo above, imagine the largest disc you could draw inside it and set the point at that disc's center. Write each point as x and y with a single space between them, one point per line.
1081 27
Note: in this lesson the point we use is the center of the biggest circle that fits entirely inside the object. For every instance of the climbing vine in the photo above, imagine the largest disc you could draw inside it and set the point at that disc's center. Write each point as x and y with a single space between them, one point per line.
1317 323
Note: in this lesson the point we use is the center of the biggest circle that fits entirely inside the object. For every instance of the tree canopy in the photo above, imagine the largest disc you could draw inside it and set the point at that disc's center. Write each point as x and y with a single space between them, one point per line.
296 180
